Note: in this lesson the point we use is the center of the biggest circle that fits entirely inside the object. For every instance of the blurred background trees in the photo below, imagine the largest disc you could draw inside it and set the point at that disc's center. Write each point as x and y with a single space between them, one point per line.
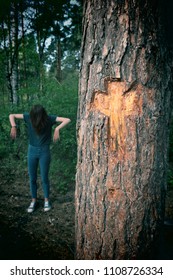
38 39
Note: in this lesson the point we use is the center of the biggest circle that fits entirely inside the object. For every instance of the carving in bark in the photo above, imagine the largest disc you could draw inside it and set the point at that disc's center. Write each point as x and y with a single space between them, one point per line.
122 129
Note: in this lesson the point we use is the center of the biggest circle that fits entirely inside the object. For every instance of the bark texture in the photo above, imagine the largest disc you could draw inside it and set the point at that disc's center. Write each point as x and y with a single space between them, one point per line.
123 117
13 55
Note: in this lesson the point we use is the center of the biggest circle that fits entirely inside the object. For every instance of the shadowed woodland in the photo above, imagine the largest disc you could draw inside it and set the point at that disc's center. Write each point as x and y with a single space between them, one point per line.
40 62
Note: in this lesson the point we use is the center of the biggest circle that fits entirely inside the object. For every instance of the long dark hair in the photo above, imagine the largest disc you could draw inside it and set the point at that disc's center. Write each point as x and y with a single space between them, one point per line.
39 118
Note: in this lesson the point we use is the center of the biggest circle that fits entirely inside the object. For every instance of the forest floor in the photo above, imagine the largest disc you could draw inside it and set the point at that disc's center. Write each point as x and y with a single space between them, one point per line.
49 235
39 235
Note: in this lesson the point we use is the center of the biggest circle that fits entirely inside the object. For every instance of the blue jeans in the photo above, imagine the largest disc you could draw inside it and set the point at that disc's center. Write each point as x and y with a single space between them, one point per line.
41 156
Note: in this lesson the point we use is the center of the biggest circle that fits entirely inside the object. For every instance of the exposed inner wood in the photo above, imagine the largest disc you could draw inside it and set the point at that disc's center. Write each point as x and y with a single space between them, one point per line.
118 106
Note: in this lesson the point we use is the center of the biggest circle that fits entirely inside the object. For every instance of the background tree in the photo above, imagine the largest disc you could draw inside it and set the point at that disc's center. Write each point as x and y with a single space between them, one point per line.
48 23
10 24
66 39
123 117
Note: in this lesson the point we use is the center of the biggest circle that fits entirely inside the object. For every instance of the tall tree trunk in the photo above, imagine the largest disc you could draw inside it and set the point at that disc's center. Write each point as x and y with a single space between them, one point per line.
24 49
12 68
40 61
122 129
41 46
58 61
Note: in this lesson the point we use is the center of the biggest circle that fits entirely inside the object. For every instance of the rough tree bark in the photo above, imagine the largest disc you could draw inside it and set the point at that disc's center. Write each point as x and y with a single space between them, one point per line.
13 54
58 61
122 129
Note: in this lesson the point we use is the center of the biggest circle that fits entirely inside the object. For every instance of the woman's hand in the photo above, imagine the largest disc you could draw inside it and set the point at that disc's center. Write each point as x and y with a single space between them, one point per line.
13 132
12 118
56 135
64 122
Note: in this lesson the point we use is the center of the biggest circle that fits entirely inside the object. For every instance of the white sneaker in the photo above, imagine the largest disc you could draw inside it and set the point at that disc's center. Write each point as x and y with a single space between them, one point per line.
31 207
47 206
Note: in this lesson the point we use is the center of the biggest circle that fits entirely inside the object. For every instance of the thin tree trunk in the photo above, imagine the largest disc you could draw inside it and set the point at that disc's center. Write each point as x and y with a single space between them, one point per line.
13 55
24 49
40 61
41 46
122 129
58 61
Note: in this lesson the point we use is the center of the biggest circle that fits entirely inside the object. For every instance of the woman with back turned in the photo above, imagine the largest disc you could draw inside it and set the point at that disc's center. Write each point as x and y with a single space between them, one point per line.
39 125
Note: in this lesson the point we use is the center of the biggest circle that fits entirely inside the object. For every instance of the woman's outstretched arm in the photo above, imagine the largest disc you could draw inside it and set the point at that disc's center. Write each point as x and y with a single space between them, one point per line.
12 118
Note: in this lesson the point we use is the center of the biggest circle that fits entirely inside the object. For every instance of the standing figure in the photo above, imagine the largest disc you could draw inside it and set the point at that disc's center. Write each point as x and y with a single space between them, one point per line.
39 125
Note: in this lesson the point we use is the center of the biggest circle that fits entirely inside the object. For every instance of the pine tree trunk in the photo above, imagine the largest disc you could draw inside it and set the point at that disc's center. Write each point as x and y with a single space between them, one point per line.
13 55
122 129
40 52
58 61
24 50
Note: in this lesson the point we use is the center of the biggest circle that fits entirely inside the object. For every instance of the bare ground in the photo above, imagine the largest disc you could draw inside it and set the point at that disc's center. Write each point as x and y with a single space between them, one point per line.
38 235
